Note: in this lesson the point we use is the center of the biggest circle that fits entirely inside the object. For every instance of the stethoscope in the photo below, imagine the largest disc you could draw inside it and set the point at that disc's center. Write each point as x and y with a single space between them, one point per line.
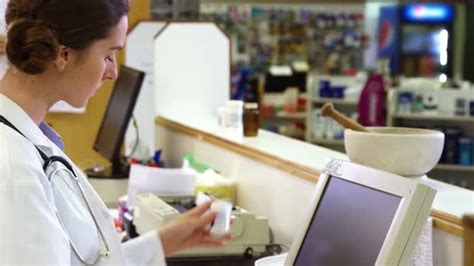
48 161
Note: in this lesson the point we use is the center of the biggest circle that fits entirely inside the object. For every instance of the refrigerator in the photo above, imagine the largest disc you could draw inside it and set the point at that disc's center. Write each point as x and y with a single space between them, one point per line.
418 39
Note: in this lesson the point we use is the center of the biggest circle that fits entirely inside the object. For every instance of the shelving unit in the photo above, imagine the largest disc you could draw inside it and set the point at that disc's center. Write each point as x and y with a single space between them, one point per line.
289 116
455 167
330 37
335 101
344 105
281 119
460 175
328 142
441 117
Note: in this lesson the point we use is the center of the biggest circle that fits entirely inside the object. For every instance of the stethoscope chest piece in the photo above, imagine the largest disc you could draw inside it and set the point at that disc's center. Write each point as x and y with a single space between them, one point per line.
105 254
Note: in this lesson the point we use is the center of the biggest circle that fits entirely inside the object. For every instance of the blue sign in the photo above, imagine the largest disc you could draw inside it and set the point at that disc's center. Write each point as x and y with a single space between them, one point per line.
428 13
388 37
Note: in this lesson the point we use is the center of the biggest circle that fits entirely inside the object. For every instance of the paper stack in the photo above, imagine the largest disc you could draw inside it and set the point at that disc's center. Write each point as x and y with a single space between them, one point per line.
160 181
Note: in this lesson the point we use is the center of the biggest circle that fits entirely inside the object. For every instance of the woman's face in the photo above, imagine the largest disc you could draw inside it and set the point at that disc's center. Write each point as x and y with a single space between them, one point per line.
90 67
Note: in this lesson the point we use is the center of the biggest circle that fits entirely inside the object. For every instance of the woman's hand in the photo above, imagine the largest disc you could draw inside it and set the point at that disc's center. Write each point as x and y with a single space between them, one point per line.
190 230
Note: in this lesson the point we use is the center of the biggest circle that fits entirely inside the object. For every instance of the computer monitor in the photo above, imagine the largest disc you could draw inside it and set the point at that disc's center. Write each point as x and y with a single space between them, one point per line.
279 83
361 216
116 118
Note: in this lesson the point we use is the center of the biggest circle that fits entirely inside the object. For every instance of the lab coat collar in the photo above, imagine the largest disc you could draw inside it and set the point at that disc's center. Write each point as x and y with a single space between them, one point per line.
20 119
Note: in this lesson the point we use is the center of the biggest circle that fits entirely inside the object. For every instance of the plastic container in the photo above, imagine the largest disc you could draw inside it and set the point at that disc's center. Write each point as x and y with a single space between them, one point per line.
460 107
372 99
234 114
418 105
405 100
430 105
319 124
325 89
338 91
465 151
451 145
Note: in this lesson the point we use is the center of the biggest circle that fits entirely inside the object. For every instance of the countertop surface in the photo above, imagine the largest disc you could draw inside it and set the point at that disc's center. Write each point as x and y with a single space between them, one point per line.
450 199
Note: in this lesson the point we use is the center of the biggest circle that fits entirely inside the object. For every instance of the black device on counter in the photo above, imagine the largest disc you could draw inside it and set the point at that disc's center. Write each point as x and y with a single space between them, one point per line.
114 124
277 83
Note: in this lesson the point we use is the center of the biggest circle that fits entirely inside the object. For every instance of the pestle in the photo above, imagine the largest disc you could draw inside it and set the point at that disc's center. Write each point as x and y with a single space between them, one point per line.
346 122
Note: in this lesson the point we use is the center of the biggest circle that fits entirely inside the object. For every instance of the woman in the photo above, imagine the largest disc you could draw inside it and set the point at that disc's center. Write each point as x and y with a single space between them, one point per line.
64 50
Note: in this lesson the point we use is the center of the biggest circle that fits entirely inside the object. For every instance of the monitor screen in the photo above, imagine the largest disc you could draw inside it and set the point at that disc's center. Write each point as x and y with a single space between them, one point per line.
274 83
117 115
349 225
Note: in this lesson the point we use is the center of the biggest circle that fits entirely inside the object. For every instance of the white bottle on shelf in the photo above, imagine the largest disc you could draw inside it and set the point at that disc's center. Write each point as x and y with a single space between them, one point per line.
319 125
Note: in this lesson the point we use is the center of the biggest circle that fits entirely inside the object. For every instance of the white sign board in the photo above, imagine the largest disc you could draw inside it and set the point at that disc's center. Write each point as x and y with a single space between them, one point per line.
192 70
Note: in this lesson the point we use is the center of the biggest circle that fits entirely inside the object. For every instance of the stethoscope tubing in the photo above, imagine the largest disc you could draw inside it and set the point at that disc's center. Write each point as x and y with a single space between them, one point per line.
48 162
102 253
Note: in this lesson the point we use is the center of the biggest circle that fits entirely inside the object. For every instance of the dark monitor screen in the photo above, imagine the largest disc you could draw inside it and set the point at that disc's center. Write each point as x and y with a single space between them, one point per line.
281 83
117 115
349 225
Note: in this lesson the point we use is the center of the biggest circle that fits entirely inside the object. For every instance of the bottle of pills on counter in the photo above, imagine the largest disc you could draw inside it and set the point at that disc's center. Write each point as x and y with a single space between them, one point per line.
251 119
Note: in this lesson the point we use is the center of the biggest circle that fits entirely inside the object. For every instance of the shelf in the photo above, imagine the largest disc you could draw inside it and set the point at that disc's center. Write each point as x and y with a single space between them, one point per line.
336 101
435 117
286 115
421 53
333 142
454 167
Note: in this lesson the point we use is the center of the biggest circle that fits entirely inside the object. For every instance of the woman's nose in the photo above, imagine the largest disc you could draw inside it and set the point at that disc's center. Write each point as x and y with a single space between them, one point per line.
111 73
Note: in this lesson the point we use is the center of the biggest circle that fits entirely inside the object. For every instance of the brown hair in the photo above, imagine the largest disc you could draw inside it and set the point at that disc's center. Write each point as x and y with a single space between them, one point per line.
37 28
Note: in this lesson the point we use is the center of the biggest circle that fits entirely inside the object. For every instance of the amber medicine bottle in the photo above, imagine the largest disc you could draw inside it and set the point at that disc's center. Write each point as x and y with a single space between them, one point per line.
251 119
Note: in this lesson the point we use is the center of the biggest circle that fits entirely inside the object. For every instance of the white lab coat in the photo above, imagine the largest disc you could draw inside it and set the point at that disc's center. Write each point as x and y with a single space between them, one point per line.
30 233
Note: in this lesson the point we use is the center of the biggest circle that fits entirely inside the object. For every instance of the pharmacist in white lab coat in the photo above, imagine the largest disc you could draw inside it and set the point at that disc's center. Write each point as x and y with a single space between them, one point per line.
64 50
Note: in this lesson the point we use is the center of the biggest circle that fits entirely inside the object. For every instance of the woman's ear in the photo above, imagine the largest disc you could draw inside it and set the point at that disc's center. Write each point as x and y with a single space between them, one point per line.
63 59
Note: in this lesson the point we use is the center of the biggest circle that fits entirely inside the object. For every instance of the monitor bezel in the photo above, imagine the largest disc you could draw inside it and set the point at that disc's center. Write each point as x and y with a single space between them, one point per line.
401 238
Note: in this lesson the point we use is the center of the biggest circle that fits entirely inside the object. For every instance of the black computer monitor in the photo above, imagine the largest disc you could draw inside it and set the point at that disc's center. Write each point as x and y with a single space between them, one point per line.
116 118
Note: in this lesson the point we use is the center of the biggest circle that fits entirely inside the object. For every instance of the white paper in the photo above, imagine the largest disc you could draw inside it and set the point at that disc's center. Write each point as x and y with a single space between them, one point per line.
423 253
160 181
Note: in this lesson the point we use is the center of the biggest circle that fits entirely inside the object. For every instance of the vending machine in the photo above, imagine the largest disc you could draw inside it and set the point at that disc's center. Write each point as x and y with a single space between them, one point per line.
418 39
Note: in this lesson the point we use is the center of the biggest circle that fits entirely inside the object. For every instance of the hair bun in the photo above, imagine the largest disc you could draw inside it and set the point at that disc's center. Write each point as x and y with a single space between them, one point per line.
31 45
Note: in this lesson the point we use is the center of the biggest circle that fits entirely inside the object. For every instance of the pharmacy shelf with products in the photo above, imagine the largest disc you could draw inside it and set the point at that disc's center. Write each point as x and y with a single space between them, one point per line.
330 37
344 93
285 113
448 110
